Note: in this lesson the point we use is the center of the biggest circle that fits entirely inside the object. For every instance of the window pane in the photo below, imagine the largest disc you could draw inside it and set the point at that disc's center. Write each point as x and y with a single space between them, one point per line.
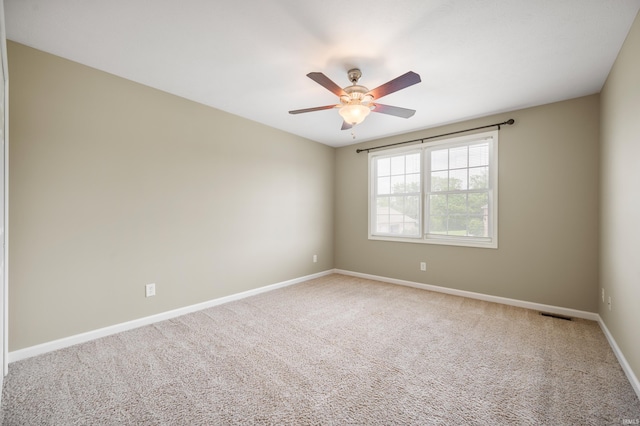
479 155
384 166
438 225
458 157
457 225
398 215
479 203
384 185
382 204
382 223
410 229
458 179
382 214
397 184
412 208
413 163
440 159
397 165
478 226
413 182
439 181
395 218
403 214
457 204
395 224
438 205
479 178
396 205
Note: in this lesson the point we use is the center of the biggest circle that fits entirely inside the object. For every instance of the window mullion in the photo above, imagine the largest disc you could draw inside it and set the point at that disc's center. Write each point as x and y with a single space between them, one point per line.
425 181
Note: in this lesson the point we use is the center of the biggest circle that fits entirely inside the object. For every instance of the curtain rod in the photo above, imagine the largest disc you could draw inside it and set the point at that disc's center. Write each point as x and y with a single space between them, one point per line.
509 122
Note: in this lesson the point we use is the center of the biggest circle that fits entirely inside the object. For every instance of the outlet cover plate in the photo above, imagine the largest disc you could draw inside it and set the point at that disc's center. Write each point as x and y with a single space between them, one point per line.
150 290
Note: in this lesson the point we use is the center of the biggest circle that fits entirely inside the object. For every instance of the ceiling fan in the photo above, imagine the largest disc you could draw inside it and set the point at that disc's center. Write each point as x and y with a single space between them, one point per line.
356 102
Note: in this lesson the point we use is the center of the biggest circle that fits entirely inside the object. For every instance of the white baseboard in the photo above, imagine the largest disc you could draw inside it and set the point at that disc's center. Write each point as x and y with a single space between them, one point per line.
129 325
487 298
633 379
106 331
635 383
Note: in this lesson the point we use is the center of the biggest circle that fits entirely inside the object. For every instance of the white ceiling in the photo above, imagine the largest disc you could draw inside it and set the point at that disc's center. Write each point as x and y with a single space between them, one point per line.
251 57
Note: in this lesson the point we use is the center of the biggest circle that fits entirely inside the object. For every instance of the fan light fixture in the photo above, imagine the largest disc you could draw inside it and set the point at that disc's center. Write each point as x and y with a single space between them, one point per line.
354 113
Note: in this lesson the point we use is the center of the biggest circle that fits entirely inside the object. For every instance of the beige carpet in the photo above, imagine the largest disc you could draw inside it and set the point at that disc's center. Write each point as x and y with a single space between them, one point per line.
332 351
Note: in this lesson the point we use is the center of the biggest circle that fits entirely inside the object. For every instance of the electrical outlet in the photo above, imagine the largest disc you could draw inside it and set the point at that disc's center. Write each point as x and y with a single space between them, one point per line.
423 266
603 295
150 290
609 303
315 258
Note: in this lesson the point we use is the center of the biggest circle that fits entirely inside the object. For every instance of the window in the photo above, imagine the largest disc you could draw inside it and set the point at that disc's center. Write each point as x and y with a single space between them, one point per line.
444 192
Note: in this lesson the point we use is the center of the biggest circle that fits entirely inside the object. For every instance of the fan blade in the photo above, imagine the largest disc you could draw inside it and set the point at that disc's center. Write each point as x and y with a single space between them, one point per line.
346 126
398 83
327 83
394 110
320 108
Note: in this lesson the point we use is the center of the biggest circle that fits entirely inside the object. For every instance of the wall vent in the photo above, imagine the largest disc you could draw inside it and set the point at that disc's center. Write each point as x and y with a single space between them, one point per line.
558 316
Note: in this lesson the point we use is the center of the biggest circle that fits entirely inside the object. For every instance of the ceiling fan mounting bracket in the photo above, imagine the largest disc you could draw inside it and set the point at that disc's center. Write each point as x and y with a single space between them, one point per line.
354 75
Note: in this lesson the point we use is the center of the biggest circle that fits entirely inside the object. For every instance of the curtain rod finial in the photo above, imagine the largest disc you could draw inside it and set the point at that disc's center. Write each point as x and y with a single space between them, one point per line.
510 121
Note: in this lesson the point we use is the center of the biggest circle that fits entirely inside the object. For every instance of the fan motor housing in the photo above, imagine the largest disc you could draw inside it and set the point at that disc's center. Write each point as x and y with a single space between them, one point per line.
356 93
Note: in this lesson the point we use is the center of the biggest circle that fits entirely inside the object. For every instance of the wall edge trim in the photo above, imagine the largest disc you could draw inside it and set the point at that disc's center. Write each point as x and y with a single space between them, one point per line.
480 296
65 342
593 316
633 379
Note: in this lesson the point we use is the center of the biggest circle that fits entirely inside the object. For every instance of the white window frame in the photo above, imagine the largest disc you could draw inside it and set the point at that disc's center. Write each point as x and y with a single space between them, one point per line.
425 149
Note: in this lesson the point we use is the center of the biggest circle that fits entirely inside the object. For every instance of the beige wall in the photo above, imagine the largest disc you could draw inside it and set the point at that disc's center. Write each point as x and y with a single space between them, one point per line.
620 208
114 185
548 214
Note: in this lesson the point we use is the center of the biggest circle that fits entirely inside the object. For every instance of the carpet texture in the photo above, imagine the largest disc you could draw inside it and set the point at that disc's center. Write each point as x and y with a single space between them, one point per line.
336 350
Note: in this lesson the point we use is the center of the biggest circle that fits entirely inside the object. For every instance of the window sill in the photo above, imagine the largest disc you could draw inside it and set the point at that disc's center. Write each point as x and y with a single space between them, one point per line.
492 244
